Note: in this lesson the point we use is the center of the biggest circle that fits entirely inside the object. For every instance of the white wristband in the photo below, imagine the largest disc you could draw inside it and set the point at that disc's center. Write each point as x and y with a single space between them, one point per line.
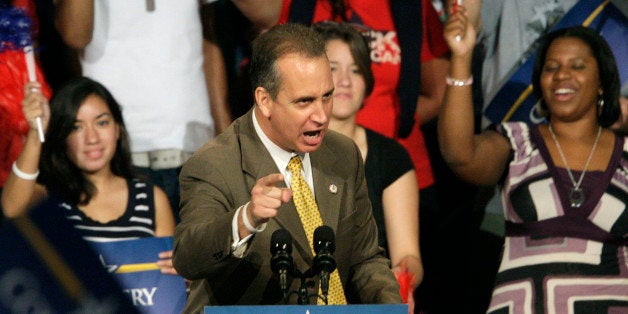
455 82
247 223
23 175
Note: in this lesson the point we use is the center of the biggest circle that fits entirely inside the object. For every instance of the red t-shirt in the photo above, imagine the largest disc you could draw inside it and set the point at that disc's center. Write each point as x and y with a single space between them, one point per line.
381 109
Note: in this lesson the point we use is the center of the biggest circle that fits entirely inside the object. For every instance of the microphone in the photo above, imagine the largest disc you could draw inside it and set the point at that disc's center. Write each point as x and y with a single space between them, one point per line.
324 262
281 263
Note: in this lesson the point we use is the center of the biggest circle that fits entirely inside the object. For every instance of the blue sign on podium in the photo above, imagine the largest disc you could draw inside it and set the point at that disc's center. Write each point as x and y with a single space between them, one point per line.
310 309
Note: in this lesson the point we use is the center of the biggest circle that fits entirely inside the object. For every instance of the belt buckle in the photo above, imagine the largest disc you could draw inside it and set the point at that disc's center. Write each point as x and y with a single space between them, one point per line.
165 159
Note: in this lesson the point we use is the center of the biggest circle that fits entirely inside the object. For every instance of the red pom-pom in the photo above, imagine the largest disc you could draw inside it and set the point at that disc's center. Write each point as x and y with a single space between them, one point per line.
405 284
13 125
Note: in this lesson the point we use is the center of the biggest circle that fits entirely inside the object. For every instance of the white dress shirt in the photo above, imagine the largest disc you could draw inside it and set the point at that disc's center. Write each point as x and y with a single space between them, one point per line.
281 158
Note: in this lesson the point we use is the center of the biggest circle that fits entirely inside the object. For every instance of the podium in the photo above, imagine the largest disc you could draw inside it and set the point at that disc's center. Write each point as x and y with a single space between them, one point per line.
309 309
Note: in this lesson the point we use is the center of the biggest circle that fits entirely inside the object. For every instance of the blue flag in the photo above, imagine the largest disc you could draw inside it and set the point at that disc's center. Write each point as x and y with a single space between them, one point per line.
515 101
132 263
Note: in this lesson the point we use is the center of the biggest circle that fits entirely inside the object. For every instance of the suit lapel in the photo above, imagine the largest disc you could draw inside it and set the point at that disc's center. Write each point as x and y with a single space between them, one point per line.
328 186
257 163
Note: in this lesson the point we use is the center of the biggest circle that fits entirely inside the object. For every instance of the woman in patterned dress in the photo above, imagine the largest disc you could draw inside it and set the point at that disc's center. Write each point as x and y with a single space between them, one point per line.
564 183
85 164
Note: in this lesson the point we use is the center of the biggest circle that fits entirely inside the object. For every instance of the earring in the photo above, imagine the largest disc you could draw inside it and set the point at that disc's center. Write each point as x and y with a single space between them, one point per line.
600 102
539 109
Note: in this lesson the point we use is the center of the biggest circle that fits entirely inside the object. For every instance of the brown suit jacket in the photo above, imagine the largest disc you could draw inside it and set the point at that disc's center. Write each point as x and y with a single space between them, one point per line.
218 179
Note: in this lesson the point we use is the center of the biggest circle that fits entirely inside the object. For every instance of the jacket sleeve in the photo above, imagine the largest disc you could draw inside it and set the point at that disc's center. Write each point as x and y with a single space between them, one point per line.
202 239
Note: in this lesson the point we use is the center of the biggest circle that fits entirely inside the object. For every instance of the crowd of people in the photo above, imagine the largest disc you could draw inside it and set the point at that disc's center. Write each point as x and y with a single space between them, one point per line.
365 117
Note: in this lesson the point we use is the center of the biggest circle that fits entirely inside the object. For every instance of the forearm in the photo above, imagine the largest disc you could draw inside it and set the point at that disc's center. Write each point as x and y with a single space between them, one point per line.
433 74
18 194
263 14
456 121
401 216
372 277
216 81
74 19
477 159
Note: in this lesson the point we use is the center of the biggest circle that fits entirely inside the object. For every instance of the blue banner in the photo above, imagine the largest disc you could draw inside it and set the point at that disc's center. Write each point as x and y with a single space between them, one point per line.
515 101
46 267
133 264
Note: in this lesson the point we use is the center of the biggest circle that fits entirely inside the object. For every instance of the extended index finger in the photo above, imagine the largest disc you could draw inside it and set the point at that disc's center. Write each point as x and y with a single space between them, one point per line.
271 180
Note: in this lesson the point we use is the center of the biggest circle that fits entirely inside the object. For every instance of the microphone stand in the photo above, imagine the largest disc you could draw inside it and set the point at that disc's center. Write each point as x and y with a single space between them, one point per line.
303 294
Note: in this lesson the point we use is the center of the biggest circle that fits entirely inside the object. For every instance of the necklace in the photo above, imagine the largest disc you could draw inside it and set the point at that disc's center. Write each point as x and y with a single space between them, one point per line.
576 195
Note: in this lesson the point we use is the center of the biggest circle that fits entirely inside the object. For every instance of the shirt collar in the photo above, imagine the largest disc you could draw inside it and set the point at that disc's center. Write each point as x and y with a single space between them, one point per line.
281 157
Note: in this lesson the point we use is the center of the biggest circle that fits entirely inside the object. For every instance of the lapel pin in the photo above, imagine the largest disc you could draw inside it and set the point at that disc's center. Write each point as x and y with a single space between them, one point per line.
333 189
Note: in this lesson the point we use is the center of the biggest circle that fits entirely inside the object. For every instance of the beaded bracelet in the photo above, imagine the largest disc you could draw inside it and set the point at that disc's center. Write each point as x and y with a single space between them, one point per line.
247 223
455 82
22 174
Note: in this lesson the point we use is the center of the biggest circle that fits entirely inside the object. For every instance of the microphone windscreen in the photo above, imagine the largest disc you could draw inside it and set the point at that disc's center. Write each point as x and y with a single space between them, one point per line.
324 237
280 240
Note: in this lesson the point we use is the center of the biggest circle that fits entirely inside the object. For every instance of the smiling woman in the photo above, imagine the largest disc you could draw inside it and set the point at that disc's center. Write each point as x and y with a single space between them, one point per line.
92 143
563 183
85 165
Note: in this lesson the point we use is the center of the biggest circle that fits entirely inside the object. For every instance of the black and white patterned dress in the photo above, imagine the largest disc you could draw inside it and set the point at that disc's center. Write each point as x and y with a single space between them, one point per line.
559 259
138 221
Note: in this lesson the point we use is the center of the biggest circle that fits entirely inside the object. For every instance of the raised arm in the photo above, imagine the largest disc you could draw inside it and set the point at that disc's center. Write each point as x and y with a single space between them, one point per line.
215 72
74 19
478 159
21 190
216 80
263 14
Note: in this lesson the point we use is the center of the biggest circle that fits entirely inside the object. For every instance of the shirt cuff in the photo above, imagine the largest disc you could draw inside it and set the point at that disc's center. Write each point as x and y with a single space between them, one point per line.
238 247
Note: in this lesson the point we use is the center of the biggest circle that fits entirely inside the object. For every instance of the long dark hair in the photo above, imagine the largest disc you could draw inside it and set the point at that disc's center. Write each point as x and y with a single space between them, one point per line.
60 175
608 73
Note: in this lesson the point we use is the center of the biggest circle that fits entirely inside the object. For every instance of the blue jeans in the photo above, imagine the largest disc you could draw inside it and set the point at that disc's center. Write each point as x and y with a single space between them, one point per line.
167 180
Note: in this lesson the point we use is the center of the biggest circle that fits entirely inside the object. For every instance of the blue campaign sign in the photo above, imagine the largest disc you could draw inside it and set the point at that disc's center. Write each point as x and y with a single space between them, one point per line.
515 101
45 267
133 264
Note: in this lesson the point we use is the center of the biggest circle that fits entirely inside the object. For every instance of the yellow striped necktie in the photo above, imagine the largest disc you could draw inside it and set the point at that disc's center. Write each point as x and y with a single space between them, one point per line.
311 219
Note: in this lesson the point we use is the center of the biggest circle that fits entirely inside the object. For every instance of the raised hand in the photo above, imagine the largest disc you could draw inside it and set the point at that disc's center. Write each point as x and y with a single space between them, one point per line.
459 32
35 105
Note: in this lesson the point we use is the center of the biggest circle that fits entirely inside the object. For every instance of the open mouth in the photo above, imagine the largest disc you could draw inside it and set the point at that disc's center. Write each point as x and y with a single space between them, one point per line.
564 91
564 94
312 134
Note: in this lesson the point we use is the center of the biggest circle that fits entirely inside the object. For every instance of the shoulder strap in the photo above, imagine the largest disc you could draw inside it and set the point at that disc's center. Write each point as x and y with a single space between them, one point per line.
302 11
408 19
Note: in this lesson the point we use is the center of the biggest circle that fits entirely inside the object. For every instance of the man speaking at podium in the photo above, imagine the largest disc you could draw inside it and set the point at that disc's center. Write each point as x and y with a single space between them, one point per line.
278 167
